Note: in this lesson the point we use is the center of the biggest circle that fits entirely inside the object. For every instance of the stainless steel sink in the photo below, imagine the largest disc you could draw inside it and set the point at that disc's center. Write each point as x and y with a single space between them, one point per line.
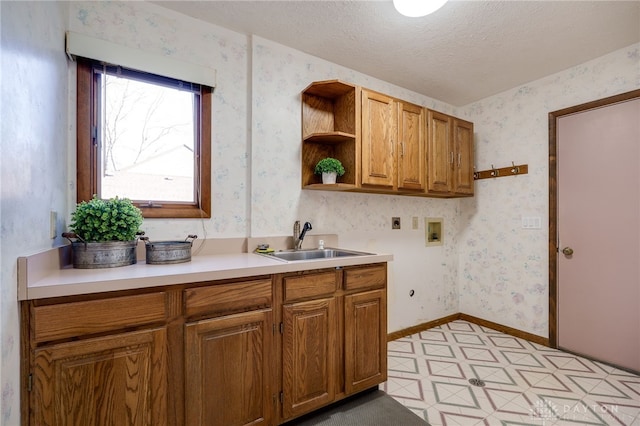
328 253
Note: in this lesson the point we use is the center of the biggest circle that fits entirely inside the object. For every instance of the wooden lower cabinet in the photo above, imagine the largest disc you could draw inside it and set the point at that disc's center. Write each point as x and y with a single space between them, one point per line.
228 367
251 351
365 335
308 356
334 336
112 380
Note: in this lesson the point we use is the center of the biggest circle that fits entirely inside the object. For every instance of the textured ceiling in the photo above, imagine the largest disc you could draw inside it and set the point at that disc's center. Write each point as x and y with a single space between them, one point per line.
464 52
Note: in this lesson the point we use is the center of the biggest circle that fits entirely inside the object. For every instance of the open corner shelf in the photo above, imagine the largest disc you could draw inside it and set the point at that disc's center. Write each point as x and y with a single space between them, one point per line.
329 89
330 137
329 129
330 187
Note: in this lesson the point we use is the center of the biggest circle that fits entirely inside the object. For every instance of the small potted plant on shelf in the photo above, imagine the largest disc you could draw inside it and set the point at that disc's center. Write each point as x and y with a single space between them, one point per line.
330 169
105 233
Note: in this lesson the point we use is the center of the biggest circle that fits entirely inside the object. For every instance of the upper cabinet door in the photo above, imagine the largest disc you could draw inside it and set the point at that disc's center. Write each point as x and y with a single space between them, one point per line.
440 155
378 130
411 146
463 171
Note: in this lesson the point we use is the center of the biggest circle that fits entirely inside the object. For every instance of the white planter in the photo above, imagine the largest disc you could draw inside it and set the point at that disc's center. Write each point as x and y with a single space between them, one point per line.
329 178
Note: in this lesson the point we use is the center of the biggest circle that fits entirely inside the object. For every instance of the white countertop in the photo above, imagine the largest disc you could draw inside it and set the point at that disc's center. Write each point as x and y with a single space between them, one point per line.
69 281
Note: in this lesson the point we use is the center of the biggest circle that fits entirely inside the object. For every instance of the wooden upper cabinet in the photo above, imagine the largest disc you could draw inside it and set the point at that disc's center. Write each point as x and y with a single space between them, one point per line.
378 131
463 143
449 155
386 145
439 153
411 146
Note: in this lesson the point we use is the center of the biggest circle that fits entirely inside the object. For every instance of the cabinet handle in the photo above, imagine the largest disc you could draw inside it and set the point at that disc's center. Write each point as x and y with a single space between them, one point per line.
402 154
459 159
451 157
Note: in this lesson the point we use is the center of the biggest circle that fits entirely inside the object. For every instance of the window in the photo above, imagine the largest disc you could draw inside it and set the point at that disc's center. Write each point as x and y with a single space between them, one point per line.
145 137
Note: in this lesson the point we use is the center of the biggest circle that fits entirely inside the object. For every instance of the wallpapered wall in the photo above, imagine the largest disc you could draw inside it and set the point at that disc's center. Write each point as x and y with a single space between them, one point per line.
503 272
256 154
33 163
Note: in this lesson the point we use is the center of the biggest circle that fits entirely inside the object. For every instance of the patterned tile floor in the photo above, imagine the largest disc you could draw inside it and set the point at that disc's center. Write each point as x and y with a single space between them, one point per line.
524 383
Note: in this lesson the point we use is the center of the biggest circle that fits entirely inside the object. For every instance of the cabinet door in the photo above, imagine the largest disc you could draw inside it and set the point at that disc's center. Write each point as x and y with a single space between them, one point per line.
309 356
229 370
463 171
365 340
439 153
378 130
411 141
113 380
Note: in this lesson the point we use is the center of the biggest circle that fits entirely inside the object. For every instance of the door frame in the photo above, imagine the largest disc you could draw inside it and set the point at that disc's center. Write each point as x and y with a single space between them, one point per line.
553 199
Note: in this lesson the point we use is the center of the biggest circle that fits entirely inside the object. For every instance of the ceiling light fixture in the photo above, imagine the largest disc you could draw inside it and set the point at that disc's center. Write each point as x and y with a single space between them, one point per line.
417 8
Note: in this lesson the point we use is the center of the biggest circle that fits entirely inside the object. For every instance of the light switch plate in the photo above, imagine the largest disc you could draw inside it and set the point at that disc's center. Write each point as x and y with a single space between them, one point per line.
531 222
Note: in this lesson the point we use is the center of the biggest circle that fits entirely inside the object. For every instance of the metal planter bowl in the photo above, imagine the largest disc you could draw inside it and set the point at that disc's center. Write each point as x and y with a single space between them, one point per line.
168 252
109 254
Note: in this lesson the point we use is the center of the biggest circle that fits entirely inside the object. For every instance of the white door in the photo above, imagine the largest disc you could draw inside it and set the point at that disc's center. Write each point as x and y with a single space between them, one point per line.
599 233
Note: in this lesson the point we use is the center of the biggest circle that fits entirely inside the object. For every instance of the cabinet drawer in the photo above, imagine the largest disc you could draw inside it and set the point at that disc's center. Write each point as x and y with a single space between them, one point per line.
310 285
367 277
74 319
222 299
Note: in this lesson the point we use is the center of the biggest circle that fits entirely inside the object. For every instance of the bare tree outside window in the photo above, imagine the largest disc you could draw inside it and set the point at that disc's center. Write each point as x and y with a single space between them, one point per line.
147 139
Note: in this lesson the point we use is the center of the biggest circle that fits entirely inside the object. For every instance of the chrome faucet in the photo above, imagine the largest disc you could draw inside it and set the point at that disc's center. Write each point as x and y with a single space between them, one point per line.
299 237
296 233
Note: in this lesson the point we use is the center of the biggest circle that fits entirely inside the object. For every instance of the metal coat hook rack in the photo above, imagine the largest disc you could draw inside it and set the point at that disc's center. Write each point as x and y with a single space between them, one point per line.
521 169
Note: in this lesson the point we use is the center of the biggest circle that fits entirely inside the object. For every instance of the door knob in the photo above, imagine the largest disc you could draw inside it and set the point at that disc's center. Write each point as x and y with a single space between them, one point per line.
567 251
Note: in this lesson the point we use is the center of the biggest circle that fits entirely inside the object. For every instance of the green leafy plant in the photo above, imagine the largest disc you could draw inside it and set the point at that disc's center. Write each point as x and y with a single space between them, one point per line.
329 165
116 219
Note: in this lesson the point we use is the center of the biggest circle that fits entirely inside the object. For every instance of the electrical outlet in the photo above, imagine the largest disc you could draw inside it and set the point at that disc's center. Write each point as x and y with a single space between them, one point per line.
414 222
395 223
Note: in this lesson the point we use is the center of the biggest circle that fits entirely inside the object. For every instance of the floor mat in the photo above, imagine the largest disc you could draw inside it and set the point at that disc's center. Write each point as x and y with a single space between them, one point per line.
370 408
